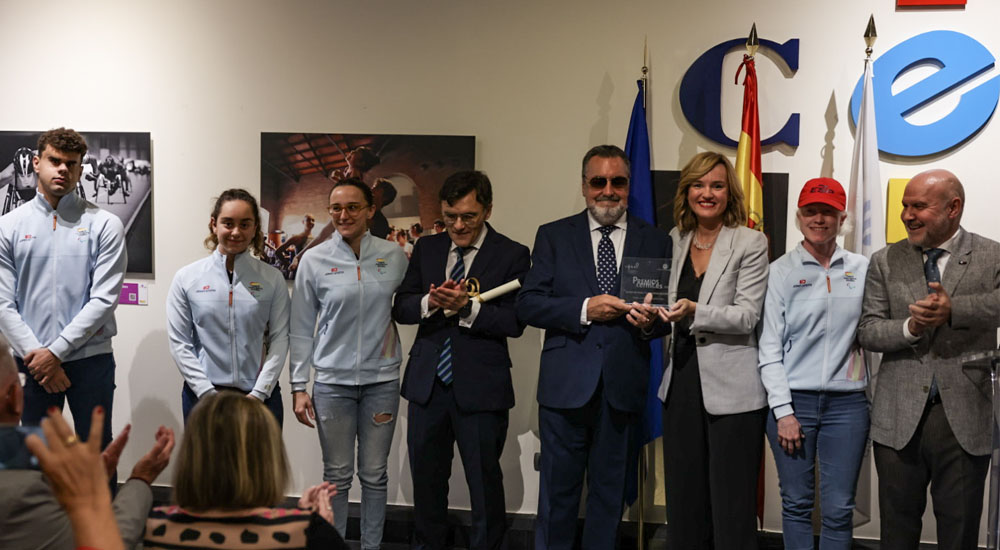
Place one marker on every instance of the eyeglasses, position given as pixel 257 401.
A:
pixel 598 182
pixel 352 208
pixel 467 218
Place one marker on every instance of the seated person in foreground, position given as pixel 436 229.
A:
pixel 231 473
pixel 30 512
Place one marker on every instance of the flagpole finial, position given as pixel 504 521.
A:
pixel 752 42
pixel 645 69
pixel 870 35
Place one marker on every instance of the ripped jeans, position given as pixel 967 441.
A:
pixel 366 414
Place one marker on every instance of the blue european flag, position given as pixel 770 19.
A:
pixel 640 203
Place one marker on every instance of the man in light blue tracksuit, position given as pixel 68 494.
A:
pixel 62 261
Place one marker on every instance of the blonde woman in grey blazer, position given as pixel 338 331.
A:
pixel 713 400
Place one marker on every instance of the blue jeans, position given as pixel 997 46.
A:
pixel 835 425
pixel 273 403
pixel 366 414
pixel 92 383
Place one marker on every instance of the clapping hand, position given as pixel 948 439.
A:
pixel 317 498
pixel 76 472
pixel 450 295
pixel 932 311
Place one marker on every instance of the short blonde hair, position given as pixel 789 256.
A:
pixel 232 456
pixel 699 165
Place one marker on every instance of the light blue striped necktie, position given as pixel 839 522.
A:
pixel 444 360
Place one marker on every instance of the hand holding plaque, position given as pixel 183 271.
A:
pixel 641 276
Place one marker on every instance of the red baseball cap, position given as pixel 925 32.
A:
pixel 823 190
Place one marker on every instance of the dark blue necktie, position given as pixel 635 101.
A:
pixel 458 271
pixel 933 275
pixel 444 360
pixel 607 265
pixel 931 271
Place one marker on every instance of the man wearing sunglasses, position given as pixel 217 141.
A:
pixel 594 370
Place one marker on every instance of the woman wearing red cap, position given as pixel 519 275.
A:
pixel 714 405
pixel 812 370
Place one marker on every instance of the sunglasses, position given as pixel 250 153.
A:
pixel 598 182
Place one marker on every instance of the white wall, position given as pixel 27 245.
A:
pixel 537 83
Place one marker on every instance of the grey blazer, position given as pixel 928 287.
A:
pixel 725 321
pixel 31 517
pixel 896 280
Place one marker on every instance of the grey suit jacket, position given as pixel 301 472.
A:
pixel 725 321
pixel 896 280
pixel 31 517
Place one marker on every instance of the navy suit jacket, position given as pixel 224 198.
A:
pixel 576 356
pixel 480 360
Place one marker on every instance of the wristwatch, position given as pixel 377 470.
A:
pixel 466 309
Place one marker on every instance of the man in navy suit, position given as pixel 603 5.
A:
pixel 457 380
pixel 594 371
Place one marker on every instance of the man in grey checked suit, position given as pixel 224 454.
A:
pixel 929 300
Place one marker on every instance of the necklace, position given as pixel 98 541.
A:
pixel 704 246
pixel 701 246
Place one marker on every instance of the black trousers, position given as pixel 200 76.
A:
pixel 711 469
pixel 433 430
pixel 587 443
pixel 957 480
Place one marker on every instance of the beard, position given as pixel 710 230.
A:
pixel 607 211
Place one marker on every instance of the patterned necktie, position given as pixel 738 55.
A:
pixel 607 265
pixel 933 275
pixel 458 271
pixel 444 360
pixel 931 272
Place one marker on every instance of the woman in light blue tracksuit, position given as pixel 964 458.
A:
pixel 227 314
pixel 813 373
pixel 341 327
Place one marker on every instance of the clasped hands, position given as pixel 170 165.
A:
pixel 47 370
pixel 932 311
pixel 450 295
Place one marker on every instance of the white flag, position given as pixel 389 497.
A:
pixel 864 203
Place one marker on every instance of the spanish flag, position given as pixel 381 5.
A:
pixel 749 172
pixel 748 152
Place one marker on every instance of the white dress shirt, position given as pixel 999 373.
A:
pixel 617 240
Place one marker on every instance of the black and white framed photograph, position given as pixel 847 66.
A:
pixel 117 176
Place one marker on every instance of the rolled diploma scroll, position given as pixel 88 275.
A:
pixel 491 293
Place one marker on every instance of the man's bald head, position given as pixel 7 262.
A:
pixel 943 181
pixel 933 203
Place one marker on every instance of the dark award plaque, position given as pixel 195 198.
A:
pixel 645 275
